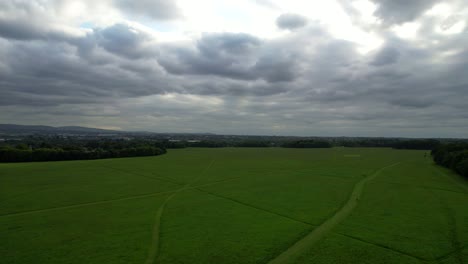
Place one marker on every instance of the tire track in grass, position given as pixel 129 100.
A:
pixel 160 178
pixel 452 225
pixel 422 259
pixel 255 207
pixel 318 233
pixel 458 181
pixel 450 254
pixel 85 204
pixel 456 244
pixel 109 201
pixel 153 252
pixel 455 240
pixel 385 247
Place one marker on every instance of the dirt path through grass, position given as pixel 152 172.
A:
pixel 155 241
pixel 290 254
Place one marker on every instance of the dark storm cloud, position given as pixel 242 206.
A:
pixel 62 76
pixel 232 55
pixel 9 28
pixel 26 20
pixel 218 86
pixel 224 54
pixel 291 21
pixel 228 43
pixel 386 56
pixel 154 9
pixel 122 40
pixel 415 102
pixel 276 68
pixel 400 11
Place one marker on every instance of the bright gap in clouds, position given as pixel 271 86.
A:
pixel 366 10
pixel 226 16
pixel 249 17
pixel 407 30
pixel 450 21
pixel 339 23
pixel 246 16
pixel 451 27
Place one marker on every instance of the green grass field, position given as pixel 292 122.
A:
pixel 270 205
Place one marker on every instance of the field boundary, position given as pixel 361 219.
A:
pixel 315 235
pixel 384 247
pixel 255 207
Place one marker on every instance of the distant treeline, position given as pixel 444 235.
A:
pixel 250 144
pixel 219 144
pixel 76 150
pixel 453 156
pixel 420 144
pixel 308 144
pixel 37 148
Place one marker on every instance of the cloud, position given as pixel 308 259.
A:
pixel 154 9
pixel 20 30
pixel 400 11
pixel 386 56
pixel 123 71
pixel 232 55
pixel 417 102
pixel 291 21
pixel 123 40
pixel 25 20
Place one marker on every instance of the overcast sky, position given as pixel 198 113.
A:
pixel 273 67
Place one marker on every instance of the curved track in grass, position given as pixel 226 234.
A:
pixel 153 252
pixel 310 239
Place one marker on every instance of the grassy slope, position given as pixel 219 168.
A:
pixel 251 205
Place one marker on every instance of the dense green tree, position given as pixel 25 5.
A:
pixel 453 156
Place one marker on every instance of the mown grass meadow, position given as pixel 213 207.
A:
pixel 234 205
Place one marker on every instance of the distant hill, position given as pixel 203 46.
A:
pixel 38 129
pixel 26 129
